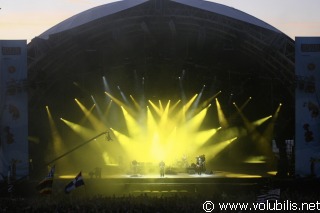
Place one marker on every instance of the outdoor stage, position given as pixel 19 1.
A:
pixel 154 185
pixel 186 183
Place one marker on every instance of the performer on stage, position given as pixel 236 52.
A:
pixel 162 165
pixel 200 164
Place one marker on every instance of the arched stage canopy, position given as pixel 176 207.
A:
pixel 157 44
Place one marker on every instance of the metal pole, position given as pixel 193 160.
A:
pixel 75 148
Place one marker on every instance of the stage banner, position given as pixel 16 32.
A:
pixel 14 157
pixel 307 106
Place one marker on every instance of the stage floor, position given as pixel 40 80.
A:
pixel 216 174
pixel 179 179
pixel 152 183
pixel 169 184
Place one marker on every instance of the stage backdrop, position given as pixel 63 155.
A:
pixel 307 141
pixel 14 160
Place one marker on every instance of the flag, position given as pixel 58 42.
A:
pixel 45 186
pixel 269 195
pixel 10 186
pixel 78 181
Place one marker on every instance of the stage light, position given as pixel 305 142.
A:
pixel 164 130
pixel 105 84
pixel 222 118
pixel 261 121
pixel 272 172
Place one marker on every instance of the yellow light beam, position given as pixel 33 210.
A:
pixel 132 125
pixel 222 119
pixel 276 114
pixel 81 130
pixel 156 109
pixel 151 123
pixel 135 103
pixel 261 120
pixel 232 132
pixel 190 102
pixel 245 103
pixel 164 117
pixel 203 136
pixel 215 149
pixel 267 135
pixel 247 123
pixel 120 103
pixel 135 150
pixel 56 137
pixel 87 114
pixel 160 106
pixel 234 115
pixel 98 124
pixel 194 123
pixel 106 113
pixel 208 101
pixel 174 106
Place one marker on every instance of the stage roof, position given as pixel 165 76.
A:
pixel 111 8
pixel 156 43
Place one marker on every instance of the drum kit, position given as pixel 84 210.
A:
pixel 181 165
pixel 198 166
